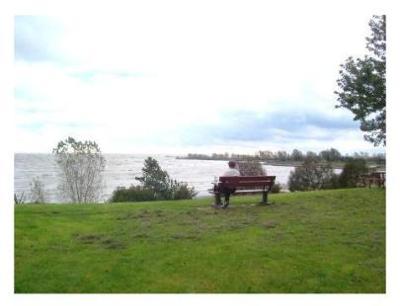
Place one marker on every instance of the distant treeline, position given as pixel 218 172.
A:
pixel 329 155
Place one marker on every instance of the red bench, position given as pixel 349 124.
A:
pixel 247 185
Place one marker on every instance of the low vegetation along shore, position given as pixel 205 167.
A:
pixel 323 241
pixel 296 158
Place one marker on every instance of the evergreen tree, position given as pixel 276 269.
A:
pixel 155 178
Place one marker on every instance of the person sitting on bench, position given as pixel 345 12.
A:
pixel 232 171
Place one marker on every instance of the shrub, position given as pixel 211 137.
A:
pixel 250 168
pixel 276 188
pixel 19 198
pixel 156 185
pixel 333 183
pixel 310 176
pixel 37 192
pixel 351 172
pixel 181 190
pixel 132 194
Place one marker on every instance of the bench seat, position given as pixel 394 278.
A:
pixel 245 185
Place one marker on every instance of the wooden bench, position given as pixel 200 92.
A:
pixel 246 185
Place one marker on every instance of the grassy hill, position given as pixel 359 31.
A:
pixel 325 241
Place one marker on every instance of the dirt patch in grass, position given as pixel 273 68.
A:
pixel 140 236
pixel 127 216
pixel 112 244
pixel 99 239
pixel 159 213
pixel 178 236
pixel 89 238
pixel 270 224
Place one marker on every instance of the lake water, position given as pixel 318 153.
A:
pixel 121 170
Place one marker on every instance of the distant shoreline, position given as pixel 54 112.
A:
pixel 335 165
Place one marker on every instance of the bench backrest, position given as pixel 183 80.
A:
pixel 247 181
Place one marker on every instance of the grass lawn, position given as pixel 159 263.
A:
pixel 324 241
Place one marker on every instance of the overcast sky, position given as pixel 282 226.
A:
pixel 167 81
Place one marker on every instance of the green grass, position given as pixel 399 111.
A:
pixel 326 241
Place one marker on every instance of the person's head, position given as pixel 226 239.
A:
pixel 232 164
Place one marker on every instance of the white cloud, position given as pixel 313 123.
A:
pixel 140 80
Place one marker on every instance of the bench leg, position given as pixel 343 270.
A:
pixel 217 198
pixel 264 198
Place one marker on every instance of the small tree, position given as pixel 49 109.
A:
pixel 310 176
pixel 312 155
pixel 37 191
pixel 352 170
pixel 330 155
pixel 282 155
pixel 154 178
pixel 81 165
pixel 297 155
pixel 159 182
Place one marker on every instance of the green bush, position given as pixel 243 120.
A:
pixel 181 190
pixel 132 194
pixel 156 185
pixel 276 188
pixel 352 170
pixel 311 176
pixel 333 183
pixel 250 168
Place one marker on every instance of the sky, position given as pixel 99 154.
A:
pixel 233 79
